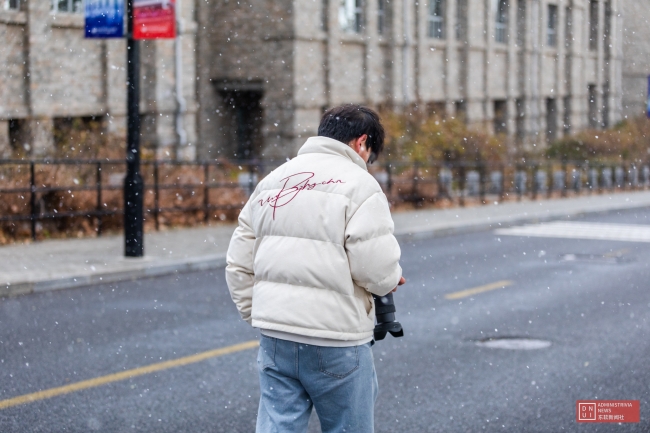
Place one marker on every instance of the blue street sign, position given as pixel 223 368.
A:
pixel 104 18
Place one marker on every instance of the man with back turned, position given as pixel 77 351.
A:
pixel 314 243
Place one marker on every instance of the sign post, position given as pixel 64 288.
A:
pixel 133 186
pixel 146 19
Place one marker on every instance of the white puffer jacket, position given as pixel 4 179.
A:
pixel 314 241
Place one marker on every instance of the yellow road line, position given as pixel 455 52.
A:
pixel 128 374
pixel 479 289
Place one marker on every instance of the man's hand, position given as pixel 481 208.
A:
pixel 402 280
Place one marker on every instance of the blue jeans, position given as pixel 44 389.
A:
pixel 340 382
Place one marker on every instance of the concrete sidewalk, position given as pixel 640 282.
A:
pixel 58 264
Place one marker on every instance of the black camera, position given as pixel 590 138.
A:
pixel 385 313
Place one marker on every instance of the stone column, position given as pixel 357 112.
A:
pixel 332 47
pixel 452 69
pixel 512 67
pixel 560 83
pixel 5 146
pixel 41 136
pixel 116 88
pixel 187 31
pixel 578 50
pixel 373 67
pixel 39 123
pixel 475 61
pixel 614 72
pixel 418 26
pixel 533 124
pixel 600 63
pixel 490 34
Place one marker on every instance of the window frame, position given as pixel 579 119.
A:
pixel 501 21
pixel 500 117
pixel 461 20
pixel 11 5
pixel 381 17
pixel 436 19
pixel 351 16
pixel 72 6
pixel 552 18
pixel 593 25
pixel 521 23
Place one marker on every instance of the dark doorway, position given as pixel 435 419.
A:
pixel 243 118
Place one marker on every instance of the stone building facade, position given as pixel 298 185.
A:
pixel 256 75
pixel 636 56
pixel 533 69
pixel 49 73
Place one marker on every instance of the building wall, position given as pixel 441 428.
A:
pixel 636 54
pixel 51 71
pixel 265 70
pixel 245 50
pixel 543 88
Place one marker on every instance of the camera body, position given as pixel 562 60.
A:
pixel 385 314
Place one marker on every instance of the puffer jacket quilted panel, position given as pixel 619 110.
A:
pixel 314 241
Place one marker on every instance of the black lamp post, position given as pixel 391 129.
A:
pixel 133 185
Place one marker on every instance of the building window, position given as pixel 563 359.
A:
pixel 593 25
pixel 566 119
pixel 437 19
pixel 551 29
pixel 75 6
pixel 501 24
pixel 461 20
pixel 381 16
pixel 520 122
pixel 605 122
pixel 521 22
pixel 500 117
pixel 551 120
pixel 324 6
pixel 461 110
pixel 18 135
pixel 351 16
pixel 593 108
pixel 11 5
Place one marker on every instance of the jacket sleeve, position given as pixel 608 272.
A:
pixel 373 251
pixel 239 271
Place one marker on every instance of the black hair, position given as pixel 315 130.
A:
pixel 349 122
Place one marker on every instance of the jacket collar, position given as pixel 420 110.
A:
pixel 331 147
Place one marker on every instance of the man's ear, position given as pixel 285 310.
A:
pixel 358 142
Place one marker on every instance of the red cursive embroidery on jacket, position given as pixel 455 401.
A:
pixel 292 186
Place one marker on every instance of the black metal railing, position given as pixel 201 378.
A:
pixel 31 182
pixel 459 182
pixel 30 190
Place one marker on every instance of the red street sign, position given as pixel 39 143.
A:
pixel 154 19
pixel 608 411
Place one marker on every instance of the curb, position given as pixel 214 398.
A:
pixel 217 261
pixel 481 227
pixel 152 270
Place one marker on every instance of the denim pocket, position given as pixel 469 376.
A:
pixel 338 362
pixel 266 354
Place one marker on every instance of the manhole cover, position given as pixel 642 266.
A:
pixel 514 343
pixel 595 258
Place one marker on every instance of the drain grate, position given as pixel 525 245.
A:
pixel 514 343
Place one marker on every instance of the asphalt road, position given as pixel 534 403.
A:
pixel 590 299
